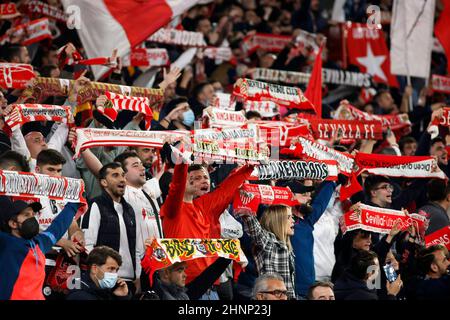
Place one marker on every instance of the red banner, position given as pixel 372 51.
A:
pixel 44 9
pixel 440 83
pixel 8 11
pixel 268 42
pixel 442 236
pixel 35 31
pixel 144 57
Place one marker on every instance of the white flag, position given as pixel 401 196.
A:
pixel 412 37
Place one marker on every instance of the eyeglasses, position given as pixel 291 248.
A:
pixel 386 187
pixel 276 293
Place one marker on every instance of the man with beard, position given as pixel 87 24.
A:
pixel 306 215
pixel 111 222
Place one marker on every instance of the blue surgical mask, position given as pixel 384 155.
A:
pixel 188 118
pixel 109 280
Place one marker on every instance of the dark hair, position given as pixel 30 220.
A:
pixel 437 190
pixel 360 263
pixel 372 182
pixel 380 93
pixel 252 114
pixel 404 141
pixel 122 158
pixel 436 140
pixel 195 167
pixel 104 170
pixel 50 156
pixel 99 255
pixel 13 158
pixel 426 257
pixel 317 284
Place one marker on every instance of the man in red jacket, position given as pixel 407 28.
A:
pixel 192 211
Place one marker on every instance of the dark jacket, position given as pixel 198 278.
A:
pixel 437 215
pixel 348 287
pixel 109 230
pixel 194 289
pixel 90 291
pixel 430 289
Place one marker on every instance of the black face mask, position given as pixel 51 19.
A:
pixel 29 228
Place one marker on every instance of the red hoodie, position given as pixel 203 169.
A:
pixel 200 219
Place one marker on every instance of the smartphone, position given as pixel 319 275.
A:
pixel 391 275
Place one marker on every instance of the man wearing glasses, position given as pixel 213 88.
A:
pixel 269 287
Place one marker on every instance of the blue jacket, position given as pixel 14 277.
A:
pixel 303 240
pixel 22 262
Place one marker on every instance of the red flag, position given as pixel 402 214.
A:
pixel 314 90
pixel 442 30
pixel 122 24
pixel 367 49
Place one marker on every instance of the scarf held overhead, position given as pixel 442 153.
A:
pixel 26 185
pixel 37 112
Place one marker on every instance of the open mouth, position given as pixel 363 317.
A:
pixel 204 188
pixel 121 186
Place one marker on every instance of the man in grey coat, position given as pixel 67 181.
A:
pixel 436 208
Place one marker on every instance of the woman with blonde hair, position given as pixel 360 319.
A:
pixel 272 248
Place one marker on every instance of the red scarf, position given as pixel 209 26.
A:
pixel 35 31
pixel 250 196
pixel 26 185
pixel 441 236
pixel 178 37
pixel 268 42
pixel 440 83
pixel 145 57
pixel 8 11
pixel 121 102
pixel 47 10
pixel 15 75
pixel 351 129
pixel 379 220
pixel 289 97
pixel 219 118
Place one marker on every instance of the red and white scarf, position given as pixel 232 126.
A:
pixel 121 102
pixel 218 118
pixel 290 97
pixel 268 42
pixel 220 134
pixel 308 149
pixel 76 58
pixel 36 30
pixel 162 253
pixel 8 11
pixel 15 75
pixel 395 166
pixel 441 236
pixel 300 170
pixel 145 57
pixel 223 101
pixel 440 83
pixel 379 220
pixel 250 196
pixel 178 37
pixel 395 122
pixel 91 138
pixel 37 112
pixel 350 129
pixel 266 109
pixel 32 186
pixel 339 77
pixel 280 133
pixel 46 10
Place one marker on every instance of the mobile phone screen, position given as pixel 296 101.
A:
pixel 391 275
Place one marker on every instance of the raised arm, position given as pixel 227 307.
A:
pixel 172 205
pixel 321 201
pixel 258 234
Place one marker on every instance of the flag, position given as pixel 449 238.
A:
pixel 412 37
pixel 106 25
pixel 314 90
pixel 367 49
pixel 442 30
